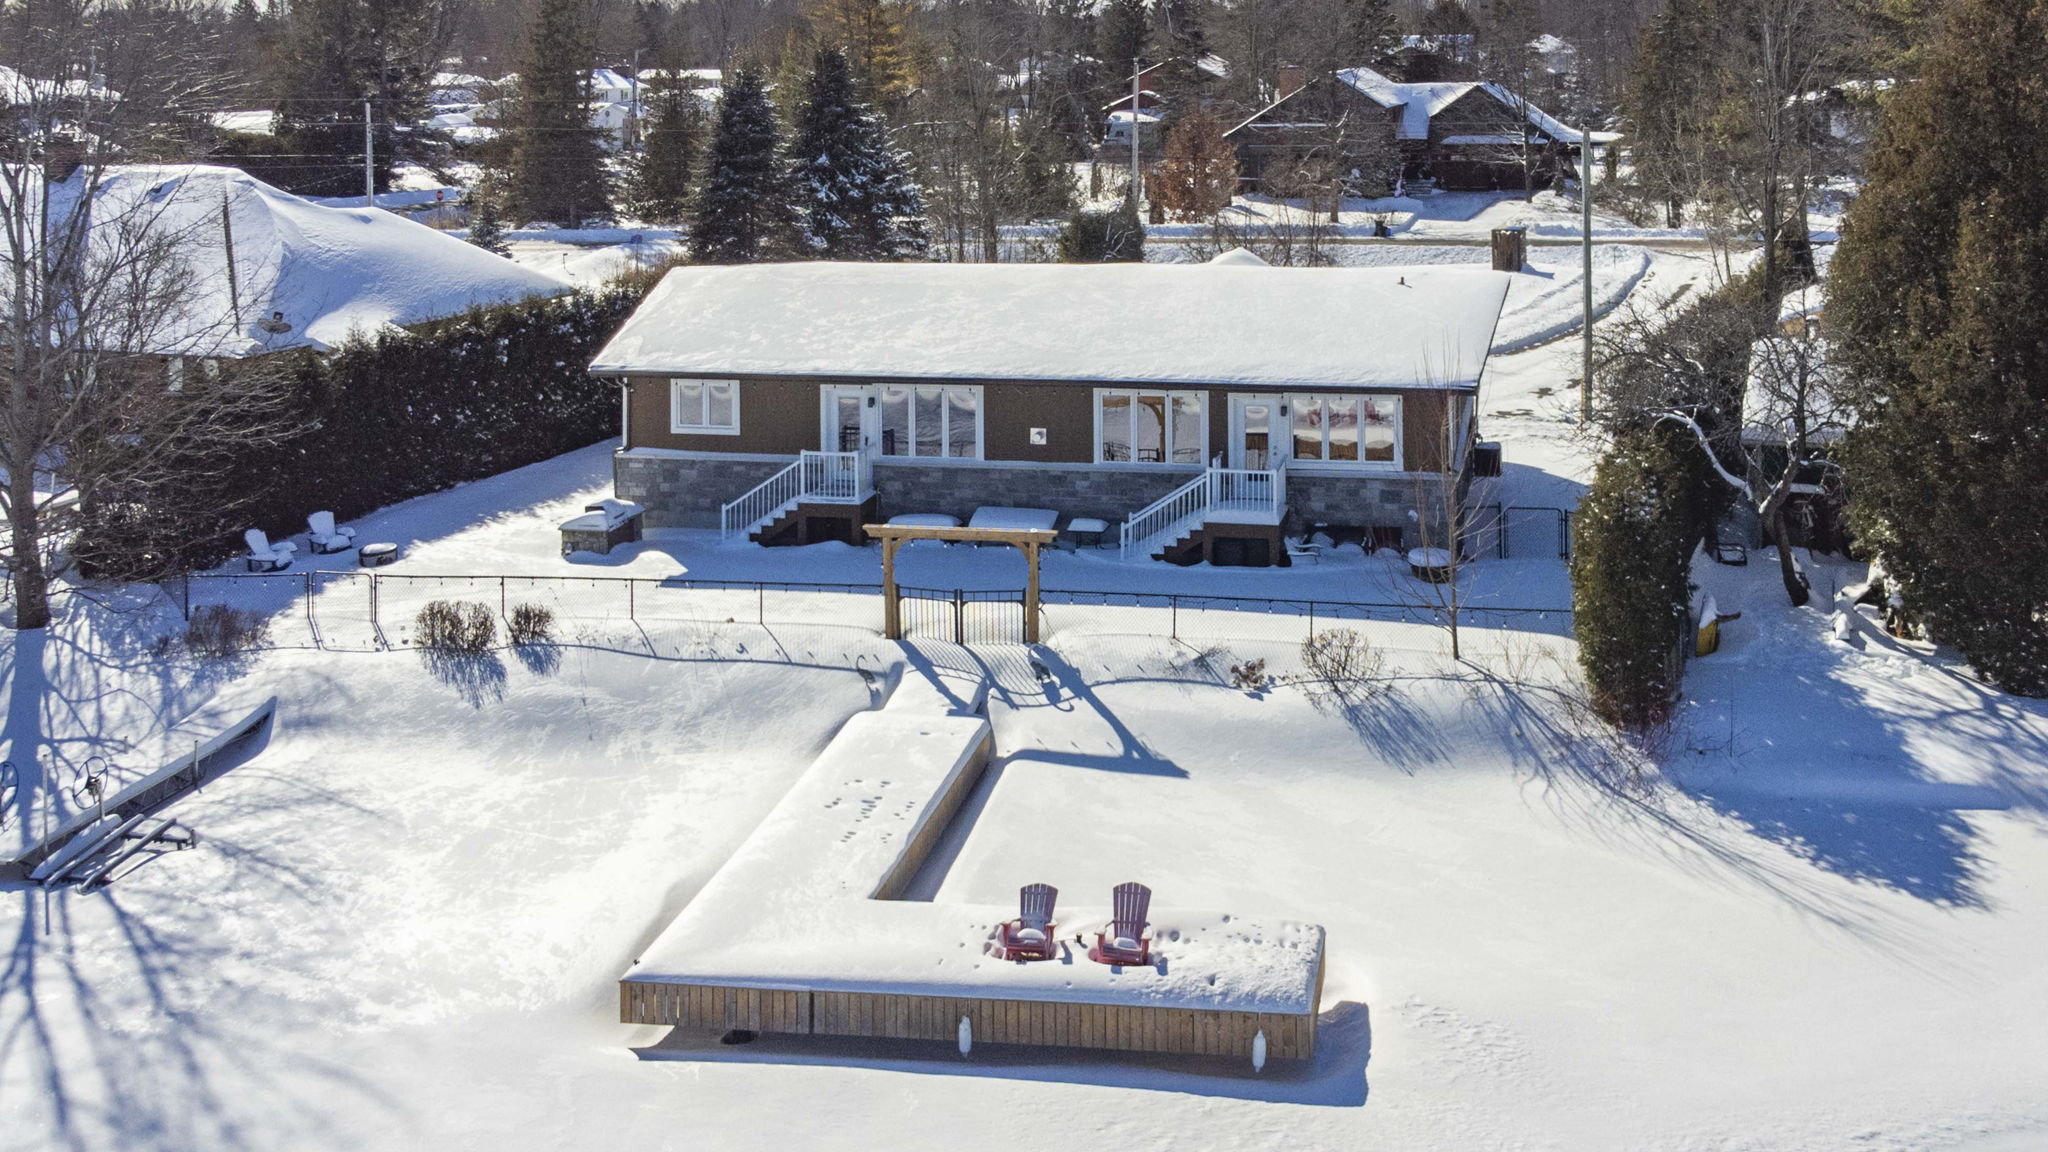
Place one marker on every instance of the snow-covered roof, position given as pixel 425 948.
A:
pixel 17 88
pixel 1151 323
pixel 1785 371
pixel 1420 102
pixel 329 271
pixel 608 80
pixel 255 121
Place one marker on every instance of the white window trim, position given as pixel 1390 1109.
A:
pixel 945 419
pixel 676 423
pixel 1397 464
pixel 1201 399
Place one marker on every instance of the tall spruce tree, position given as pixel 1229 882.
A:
pixel 558 162
pixel 742 212
pixel 1179 42
pixel 658 190
pixel 1121 32
pixel 1937 299
pixel 854 192
pixel 332 56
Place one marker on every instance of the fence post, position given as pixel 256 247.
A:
pixel 1173 606
pixel 761 605
pixel 502 613
pixel 959 617
pixel 186 585
pixel 307 577
pixel 632 599
pixel 1311 619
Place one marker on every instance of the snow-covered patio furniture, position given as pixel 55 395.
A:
pixel 325 537
pixel 1087 530
pixel 265 556
pixel 1030 935
pixel 376 555
pixel 1124 941
pixel 1013 519
pixel 602 527
pixel 1301 548
pixel 1431 564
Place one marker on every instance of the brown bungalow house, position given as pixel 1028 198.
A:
pixel 1464 135
pixel 1201 409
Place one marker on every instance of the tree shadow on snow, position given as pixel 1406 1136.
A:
pixel 1334 1078
pixel 115 1025
pixel 479 678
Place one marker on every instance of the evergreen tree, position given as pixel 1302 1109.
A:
pixel 1366 32
pixel 558 162
pixel 1044 181
pixel 1633 538
pixel 658 190
pixel 1198 177
pixel 871 33
pixel 854 193
pixel 335 54
pixel 1937 296
pixel 1121 33
pixel 487 213
pixel 742 211
pixel 1112 237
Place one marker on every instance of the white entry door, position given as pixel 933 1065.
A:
pixel 847 418
pixel 1258 431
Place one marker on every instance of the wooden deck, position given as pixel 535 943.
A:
pixel 1053 1023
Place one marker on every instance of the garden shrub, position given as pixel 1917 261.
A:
pixel 455 628
pixel 217 631
pixel 531 624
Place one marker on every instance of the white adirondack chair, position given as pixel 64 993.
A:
pixel 325 537
pixel 265 556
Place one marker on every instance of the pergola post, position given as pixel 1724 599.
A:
pixel 892 612
pixel 1031 594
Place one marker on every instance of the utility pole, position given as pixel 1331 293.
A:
pixel 1137 178
pixel 369 159
pixel 1586 270
pixel 633 109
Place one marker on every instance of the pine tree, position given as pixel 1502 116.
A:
pixel 871 33
pixel 1936 300
pixel 1198 177
pixel 486 213
pixel 742 211
pixel 1366 32
pixel 558 162
pixel 335 54
pixel 854 192
pixel 1121 33
pixel 658 189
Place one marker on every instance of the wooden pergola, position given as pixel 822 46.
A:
pixel 894 536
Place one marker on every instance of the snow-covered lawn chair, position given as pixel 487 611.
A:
pixel 1030 935
pixel 265 556
pixel 325 537
pixel 1124 941
pixel 1302 548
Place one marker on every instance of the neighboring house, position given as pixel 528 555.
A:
pixel 1461 134
pixel 265 271
pixel 1209 408
pixel 1147 111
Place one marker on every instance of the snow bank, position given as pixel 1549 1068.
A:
pixel 1208 324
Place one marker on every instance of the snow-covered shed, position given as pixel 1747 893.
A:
pixel 1093 390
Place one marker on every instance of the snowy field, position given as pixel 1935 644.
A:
pixel 1813 922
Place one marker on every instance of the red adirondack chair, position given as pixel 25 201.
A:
pixel 1030 935
pixel 1124 941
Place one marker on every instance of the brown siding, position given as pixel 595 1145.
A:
pixel 779 415
pixel 1125 1027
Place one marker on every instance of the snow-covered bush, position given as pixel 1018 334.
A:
pixel 531 624
pixel 218 631
pixel 455 628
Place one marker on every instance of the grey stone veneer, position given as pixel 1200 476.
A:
pixel 681 491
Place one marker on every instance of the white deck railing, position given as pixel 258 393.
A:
pixel 1245 495
pixel 823 477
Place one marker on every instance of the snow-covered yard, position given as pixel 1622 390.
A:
pixel 1814 922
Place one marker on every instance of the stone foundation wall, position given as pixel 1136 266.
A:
pixel 687 491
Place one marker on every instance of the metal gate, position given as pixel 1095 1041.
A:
pixel 962 616
pixel 1527 531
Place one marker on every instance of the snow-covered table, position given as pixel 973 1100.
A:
pixel 1013 519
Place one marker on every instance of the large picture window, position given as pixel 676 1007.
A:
pixel 1151 427
pixel 1347 429
pixel 704 406
pixel 925 420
